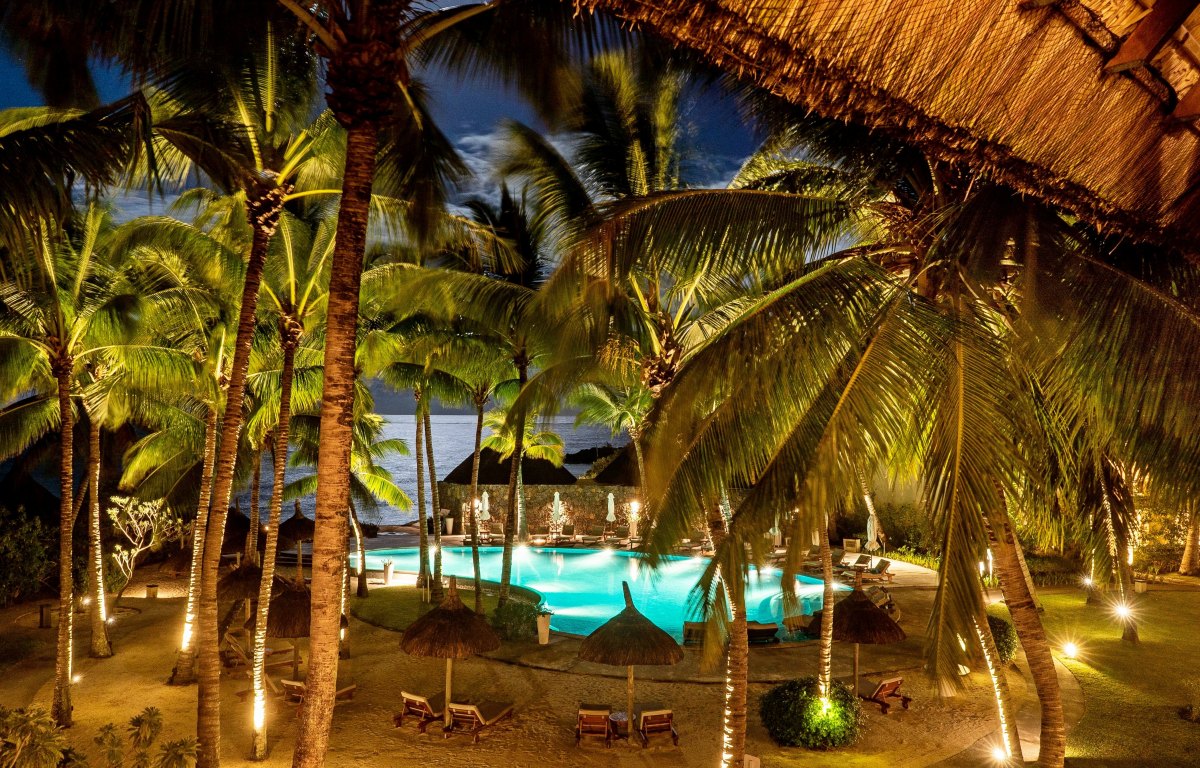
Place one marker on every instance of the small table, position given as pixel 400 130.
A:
pixel 619 722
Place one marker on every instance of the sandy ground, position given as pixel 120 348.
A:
pixel 546 698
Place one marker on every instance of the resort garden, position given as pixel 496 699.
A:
pixel 905 466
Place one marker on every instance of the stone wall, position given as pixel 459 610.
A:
pixel 585 504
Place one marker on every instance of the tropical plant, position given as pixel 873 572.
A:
pixel 797 713
pixel 24 561
pixel 517 443
pixel 145 525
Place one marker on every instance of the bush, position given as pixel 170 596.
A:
pixel 1005 636
pixel 1053 570
pixel 516 620
pixel 23 558
pixel 909 555
pixel 793 715
pixel 907 525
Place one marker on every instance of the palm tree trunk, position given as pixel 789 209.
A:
pixel 737 655
pixel 423 537
pixel 514 483
pixel 472 511
pixel 1028 623
pixel 255 492
pixel 991 657
pixel 263 216
pixel 258 749
pixel 333 463
pixel 60 708
pixel 101 646
pixel 360 552
pixel 1191 550
pixel 435 589
pixel 184 672
pixel 825 668
pixel 641 464
pixel 1027 576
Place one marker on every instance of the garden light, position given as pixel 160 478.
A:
pixel 1123 611
pixel 999 755
pixel 1087 582
pixel 1070 650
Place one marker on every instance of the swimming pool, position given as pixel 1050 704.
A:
pixel 583 586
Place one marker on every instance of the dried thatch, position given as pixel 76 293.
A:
pixel 237 530
pixel 630 638
pixel 1018 92
pixel 622 470
pixel 450 631
pixel 241 583
pixel 290 612
pixel 858 620
pixel 296 528
pixel 494 471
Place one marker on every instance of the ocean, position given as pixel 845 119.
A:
pixel 453 441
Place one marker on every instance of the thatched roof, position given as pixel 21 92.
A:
pixel 858 620
pixel 237 528
pixel 241 583
pixel 450 631
pixel 290 613
pixel 296 528
pixel 493 471
pixel 630 638
pixel 622 470
pixel 1015 89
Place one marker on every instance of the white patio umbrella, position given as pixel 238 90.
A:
pixel 483 511
pixel 612 509
pixel 873 526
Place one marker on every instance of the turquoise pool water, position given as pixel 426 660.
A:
pixel 583 586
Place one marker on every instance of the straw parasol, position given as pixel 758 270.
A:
pixel 288 618
pixel 237 529
pixel 297 529
pixel 450 631
pixel 858 620
pixel 627 639
pixel 241 583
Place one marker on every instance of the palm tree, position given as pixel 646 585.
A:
pixel 620 409
pixel 517 443
pixel 68 303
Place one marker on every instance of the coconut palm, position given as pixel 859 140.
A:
pixel 620 409
pixel 518 443
pixel 69 303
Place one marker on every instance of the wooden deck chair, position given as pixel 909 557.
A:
pixel 474 718
pixel 425 710
pixel 593 723
pixel 853 560
pixel 879 693
pixel 654 721
pixel 238 657
pixel 295 690
pixel 879 572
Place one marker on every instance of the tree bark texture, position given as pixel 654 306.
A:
pixel 333 463
pixel 101 647
pixel 60 707
pixel 208 667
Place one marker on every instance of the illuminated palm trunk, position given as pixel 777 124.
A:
pixel 252 537
pixel 290 334
pixel 514 490
pixel 472 501
pixel 825 670
pixel 60 707
pixel 1028 623
pixel 361 552
pixel 423 537
pixel 1010 740
pixel 435 589
pixel 101 646
pixel 737 656
pixel 184 672
pixel 1191 552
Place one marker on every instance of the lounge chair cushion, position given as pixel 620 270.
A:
pixel 485 712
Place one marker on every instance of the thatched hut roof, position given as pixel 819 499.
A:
pixel 493 471
pixel 450 631
pixel 290 612
pixel 622 470
pixel 237 529
pixel 858 620
pixel 630 638
pixel 296 528
pixel 241 583
pixel 1018 90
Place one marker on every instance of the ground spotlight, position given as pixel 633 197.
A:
pixel 1070 650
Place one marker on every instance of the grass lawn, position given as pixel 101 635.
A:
pixel 1132 692
pixel 396 607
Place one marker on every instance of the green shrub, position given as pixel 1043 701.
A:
pixel 1005 636
pixel 794 716
pixel 907 525
pixel 23 557
pixel 1053 570
pixel 516 620
pixel 909 555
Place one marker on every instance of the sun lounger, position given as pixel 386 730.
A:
pixel 883 599
pixel 655 721
pixel 476 717
pixel 237 654
pixel 762 634
pixel 295 690
pixel 593 536
pixel 878 572
pixel 593 723
pixel 423 709
pixel 879 693
pixel 852 560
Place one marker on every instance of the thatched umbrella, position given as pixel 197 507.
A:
pixel 627 639
pixel 450 631
pixel 241 583
pixel 237 529
pixel 288 619
pixel 858 620
pixel 297 529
